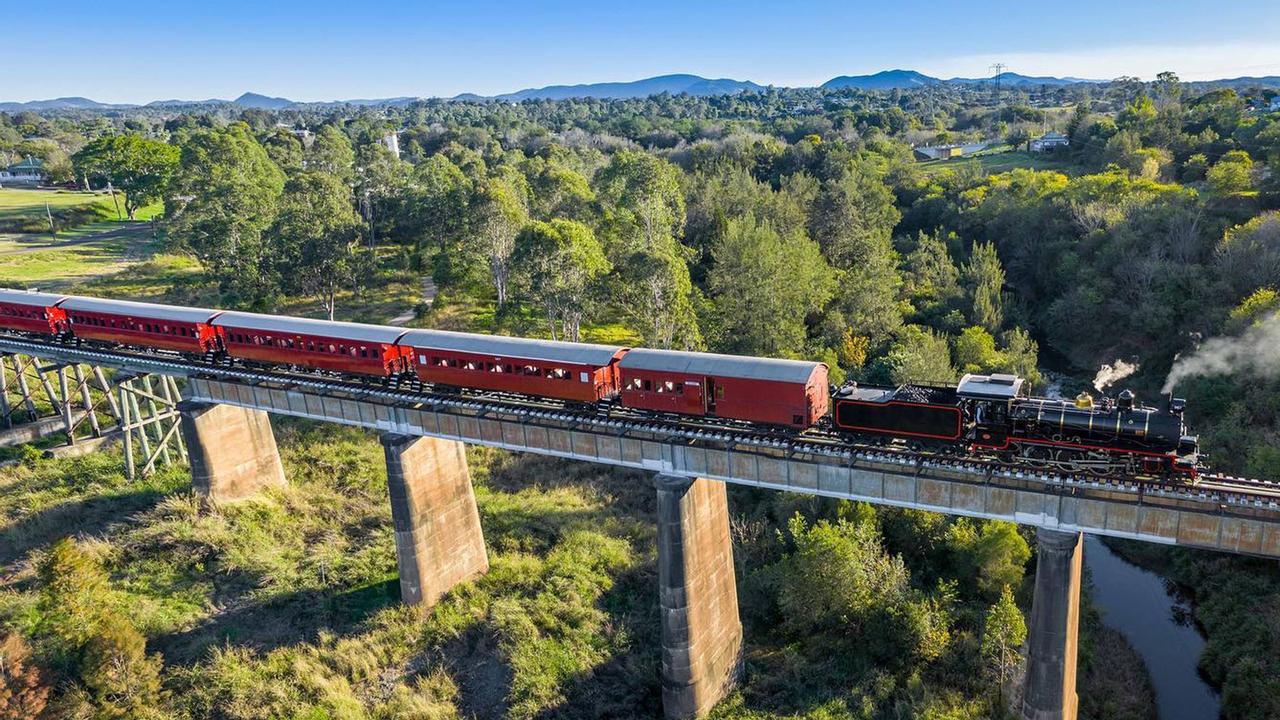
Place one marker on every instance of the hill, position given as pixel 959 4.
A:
pixel 262 102
pixel 674 84
pixel 883 80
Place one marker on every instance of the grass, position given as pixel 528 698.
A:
pixel 1001 159
pixel 22 203
pixel 61 265
pixel 285 605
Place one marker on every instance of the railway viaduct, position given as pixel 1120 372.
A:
pixel 440 542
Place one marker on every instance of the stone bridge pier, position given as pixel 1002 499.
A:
pixel 701 630
pixel 439 542
pixel 1049 692
pixel 231 450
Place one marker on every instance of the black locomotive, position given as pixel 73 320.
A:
pixel 990 416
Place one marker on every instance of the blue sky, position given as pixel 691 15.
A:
pixel 322 50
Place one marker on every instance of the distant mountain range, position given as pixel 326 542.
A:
pixel 674 84
pixel 908 79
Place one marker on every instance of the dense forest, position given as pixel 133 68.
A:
pixel 786 223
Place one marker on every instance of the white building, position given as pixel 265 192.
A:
pixel 391 141
pixel 1048 141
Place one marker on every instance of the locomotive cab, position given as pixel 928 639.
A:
pixel 989 398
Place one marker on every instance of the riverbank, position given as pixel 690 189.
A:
pixel 1235 600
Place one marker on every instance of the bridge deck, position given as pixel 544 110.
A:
pixel 1225 514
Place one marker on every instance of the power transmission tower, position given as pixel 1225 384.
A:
pixel 999 68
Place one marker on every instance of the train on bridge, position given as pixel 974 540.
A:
pixel 982 416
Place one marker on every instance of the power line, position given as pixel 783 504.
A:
pixel 999 68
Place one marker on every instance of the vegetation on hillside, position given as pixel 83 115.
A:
pixel 791 223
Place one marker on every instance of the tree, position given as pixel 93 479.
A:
pixel 975 351
pixel 836 577
pixel 984 280
pixel 24 690
pixel 932 278
pixel 1003 632
pixel 121 680
pixel 562 262
pixel 314 236
pixel 853 217
pixel 438 197
pixel 284 148
pixel 657 295
pixel 331 152
pixel 1233 173
pixel 764 285
pixel 916 355
pixel 645 190
pixel 852 220
pixel 139 166
pixel 220 202
pixel 498 212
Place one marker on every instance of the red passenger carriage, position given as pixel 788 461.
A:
pixel 33 312
pixel 791 393
pixel 577 372
pixel 121 322
pixel 340 347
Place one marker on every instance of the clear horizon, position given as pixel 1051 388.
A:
pixel 320 51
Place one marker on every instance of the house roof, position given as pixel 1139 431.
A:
pixel 30 163
pixel 306 326
pixel 143 311
pixel 502 346
pixel 691 363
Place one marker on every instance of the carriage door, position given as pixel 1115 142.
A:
pixel 709 395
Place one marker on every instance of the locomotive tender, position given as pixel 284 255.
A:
pixel 983 416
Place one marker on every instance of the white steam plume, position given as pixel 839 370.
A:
pixel 1256 352
pixel 1109 375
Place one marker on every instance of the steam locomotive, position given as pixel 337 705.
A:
pixel 991 416
pixel 984 416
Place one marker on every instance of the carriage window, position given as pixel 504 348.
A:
pixel 496 368
pixel 666 387
pixel 470 365
pixel 364 352
pixel 648 385
pixel 531 370
pixel 637 384
pixel 332 348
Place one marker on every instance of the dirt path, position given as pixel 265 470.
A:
pixel 428 297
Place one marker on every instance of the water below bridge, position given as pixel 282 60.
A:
pixel 1143 607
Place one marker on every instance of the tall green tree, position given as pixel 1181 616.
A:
pixel 222 198
pixel 657 296
pixel 852 221
pixel 1003 632
pixel 645 190
pixel 984 281
pixel 498 212
pixel 138 166
pixel 764 285
pixel 562 263
pixel 314 237
pixel 332 152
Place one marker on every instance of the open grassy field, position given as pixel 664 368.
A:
pixel 1001 161
pixel 59 264
pixel 26 208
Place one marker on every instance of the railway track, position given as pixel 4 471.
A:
pixel 1212 487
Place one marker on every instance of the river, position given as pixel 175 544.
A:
pixel 1139 605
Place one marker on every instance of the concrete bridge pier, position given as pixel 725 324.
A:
pixel 1053 633
pixel 439 542
pixel 231 450
pixel 701 631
